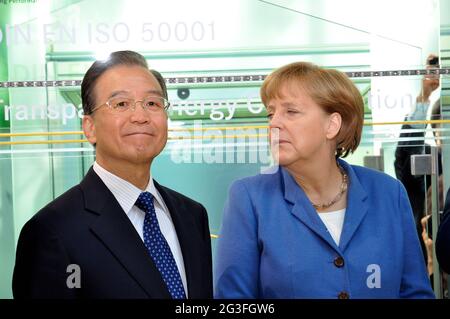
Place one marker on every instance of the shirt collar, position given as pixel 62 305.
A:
pixel 125 192
pixel 151 188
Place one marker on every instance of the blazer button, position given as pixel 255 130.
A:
pixel 339 262
pixel 343 295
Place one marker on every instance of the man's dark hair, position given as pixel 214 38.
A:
pixel 129 58
pixel 161 82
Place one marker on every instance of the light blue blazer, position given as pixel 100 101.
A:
pixel 273 244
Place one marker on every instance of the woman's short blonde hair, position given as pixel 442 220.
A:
pixel 330 89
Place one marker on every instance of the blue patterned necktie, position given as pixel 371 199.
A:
pixel 158 248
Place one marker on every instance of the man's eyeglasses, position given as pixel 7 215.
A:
pixel 121 104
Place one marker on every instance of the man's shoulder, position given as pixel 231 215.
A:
pixel 176 197
pixel 61 208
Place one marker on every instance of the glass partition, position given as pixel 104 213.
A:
pixel 214 56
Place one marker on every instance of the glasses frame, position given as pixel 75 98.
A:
pixel 133 107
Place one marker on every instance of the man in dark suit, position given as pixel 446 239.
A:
pixel 443 238
pixel 118 234
pixel 412 142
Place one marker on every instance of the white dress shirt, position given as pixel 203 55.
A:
pixel 127 194
pixel 334 221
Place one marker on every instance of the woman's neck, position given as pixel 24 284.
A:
pixel 321 181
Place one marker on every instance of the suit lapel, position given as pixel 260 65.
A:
pixel 183 227
pixel 117 233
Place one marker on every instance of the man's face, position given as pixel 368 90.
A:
pixel 132 136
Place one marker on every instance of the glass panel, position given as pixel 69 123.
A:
pixel 214 56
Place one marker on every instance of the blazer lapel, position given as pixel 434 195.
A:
pixel 302 208
pixel 357 206
pixel 118 234
pixel 183 227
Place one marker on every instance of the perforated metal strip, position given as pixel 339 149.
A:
pixel 229 78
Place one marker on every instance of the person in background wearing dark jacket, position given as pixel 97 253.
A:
pixel 416 185
pixel 443 238
pixel 426 222
pixel 413 143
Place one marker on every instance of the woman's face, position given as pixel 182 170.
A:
pixel 300 130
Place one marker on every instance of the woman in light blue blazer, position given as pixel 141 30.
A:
pixel 317 227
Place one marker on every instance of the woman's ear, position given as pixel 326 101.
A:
pixel 89 129
pixel 334 125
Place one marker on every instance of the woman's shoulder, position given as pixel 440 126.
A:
pixel 268 178
pixel 370 176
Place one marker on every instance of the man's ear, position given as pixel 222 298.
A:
pixel 334 125
pixel 89 129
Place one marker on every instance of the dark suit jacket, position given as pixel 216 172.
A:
pixel 443 238
pixel 416 186
pixel 86 226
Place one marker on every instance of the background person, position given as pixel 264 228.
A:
pixel 443 238
pixel 413 143
pixel 426 223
